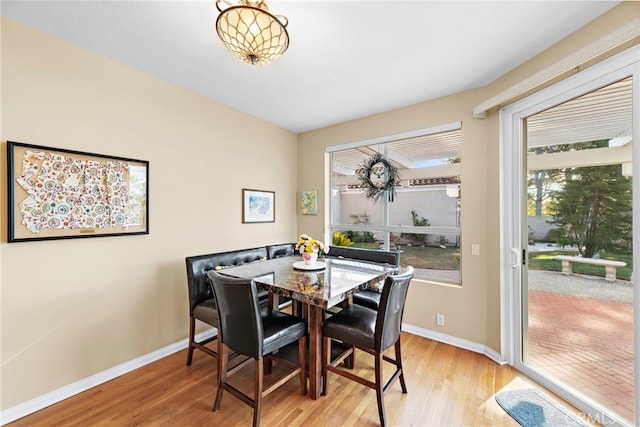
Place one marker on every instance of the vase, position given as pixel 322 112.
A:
pixel 310 257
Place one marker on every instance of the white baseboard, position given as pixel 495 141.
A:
pixel 456 342
pixel 55 396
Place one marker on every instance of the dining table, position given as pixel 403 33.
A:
pixel 316 288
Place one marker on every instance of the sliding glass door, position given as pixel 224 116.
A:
pixel 571 284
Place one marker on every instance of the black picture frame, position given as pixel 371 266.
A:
pixel 56 193
pixel 258 206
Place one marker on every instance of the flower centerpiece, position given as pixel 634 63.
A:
pixel 310 248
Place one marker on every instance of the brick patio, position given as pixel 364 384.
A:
pixel 586 343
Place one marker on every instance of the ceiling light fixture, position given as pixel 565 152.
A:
pixel 251 33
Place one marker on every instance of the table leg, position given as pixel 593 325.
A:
pixel 272 301
pixel 316 315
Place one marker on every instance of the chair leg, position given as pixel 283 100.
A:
pixel 350 361
pixel 258 391
pixel 326 360
pixel 220 348
pixel 302 361
pixel 380 389
pixel 399 365
pixel 192 331
pixel 223 356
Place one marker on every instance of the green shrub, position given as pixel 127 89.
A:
pixel 361 236
pixel 418 239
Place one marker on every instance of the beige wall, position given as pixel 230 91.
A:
pixel 72 308
pixel 67 313
pixel 473 310
pixel 463 320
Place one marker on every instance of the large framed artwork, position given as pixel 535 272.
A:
pixel 56 193
pixel 258 206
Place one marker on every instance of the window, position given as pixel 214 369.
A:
pixel 423 220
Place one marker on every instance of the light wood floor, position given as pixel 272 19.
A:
pixel 447 386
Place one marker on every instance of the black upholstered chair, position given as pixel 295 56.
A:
pixel 372 331
pixel 278 251
pixel 250 331
pixel 367 297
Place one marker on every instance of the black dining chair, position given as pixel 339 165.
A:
pixel 278 251
pixel 372 331
pixel 367 297
pixel 257 332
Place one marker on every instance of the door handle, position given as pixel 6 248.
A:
pixel 516 254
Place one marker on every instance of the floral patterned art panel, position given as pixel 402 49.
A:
pixel 56 193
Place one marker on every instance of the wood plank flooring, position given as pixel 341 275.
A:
pixel 447 386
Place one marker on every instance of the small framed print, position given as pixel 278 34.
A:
pixel 258 206
pixel 309 202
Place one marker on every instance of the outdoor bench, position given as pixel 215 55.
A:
pixel 609 265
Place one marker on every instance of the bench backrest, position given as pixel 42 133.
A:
pixel 280 250
pixel 373 255
pixel 197 267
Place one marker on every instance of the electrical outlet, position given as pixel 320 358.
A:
pixel 440 319
pixel 475 249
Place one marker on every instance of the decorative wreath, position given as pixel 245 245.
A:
pixel 386 175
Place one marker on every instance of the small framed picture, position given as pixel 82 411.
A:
pixel 258 206
pixel 309 202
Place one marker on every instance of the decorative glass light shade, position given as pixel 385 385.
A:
pixel 251 33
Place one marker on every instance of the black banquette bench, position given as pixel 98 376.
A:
pixel 369 297
pixel 201 303
pixel 379 256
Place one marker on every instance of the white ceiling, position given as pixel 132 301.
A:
pixel 347 59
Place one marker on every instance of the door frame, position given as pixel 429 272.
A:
pixel 513 214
